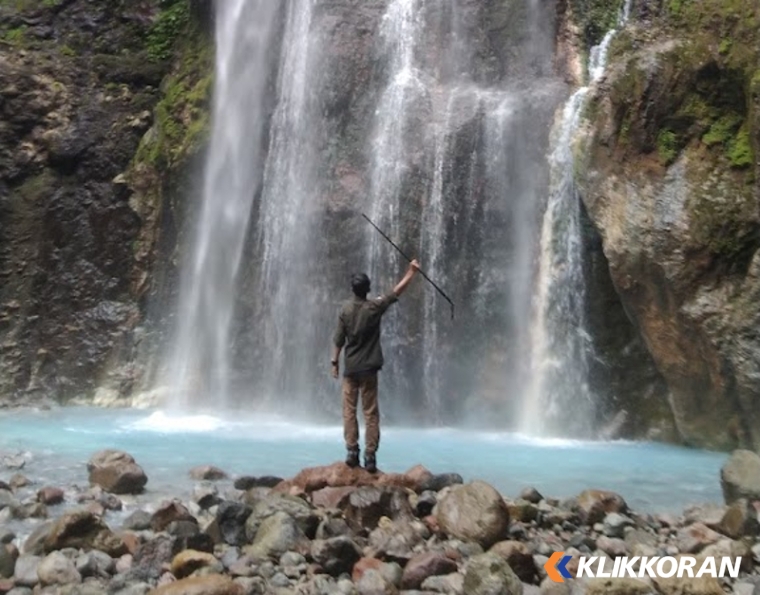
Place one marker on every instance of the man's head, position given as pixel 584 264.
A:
pixel 360 285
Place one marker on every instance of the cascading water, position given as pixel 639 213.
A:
pixel 559 401
pixel 199 369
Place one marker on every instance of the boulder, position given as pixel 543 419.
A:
pixel 365 506
pixel 207 473
pixel 704 585
pixel 519 557
pixel 425 565
pixel 740 476
pixel 139 520
pixel 188 561
pixel 531 495
pixel 373 582
pixel 615 524
pixel 25 573
pixel 339 475
pixel 594 505
pixel 489 574
pixel 474 512
pixel 151 557
pixel 331 498
pixel 206 495
pixel 205 585
pixel 248 482
pixel 8 556
pixel 695 537
pixel 57 569
pixel 116 472
pixel 739 520
pixel 435 483
pixel 168 513
pixel 95 564
pixel 231 518
pixel 276 535
pixel 363 565
pixel 449 584
pixel 83 530
pixel 297 508
pixel 50 496
pixel 336 555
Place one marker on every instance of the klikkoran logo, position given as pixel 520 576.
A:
pixel 641 566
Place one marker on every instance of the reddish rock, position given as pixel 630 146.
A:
pixel 695 538
pixel 6 585
pixel 419 475
pixel 95 508
pixel 432 523
pixel 594 505
pixel 169 513
pixel 131 541
pixel 331 497
pixel 206 585
pixel 423 566
pixel 363 565
pixel 50 496
pixel 83 530
pixel 341 475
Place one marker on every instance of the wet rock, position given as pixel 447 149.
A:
pixel 595 505
pixel 206 585
pixel 50 496
pixel 82 530
pixel 168 513
pixel 18 481
pixel 139 520
pixel 276 535
pixel 695 537
pixel 206 495
pixel 740 476
pixel 231 518
pixel 740 519
pixel 519 557
pixel 7 499
pixel 488 574
pixel 188 561
pixel 207 473
pixel 474 512
pixel 423 566
pixel 116 472
pixel 336 555
pixel 57 569
pixel 367 505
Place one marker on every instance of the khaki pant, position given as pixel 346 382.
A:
pixel 367 385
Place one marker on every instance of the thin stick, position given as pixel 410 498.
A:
pixel 390 241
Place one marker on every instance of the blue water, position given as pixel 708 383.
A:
pixel 651 477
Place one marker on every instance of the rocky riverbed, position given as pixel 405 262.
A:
pixel 334 529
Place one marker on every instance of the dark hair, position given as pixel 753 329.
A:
pixel 360 285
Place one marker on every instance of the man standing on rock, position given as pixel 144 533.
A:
pixel 359 332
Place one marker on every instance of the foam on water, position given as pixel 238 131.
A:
pixel 652 477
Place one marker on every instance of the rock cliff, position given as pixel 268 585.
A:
pixel 667 165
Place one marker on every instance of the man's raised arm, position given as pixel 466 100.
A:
pixel 414 267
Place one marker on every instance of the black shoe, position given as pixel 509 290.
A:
pixel 352 458
pixel 370 464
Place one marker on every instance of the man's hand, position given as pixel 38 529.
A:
pixel 413 269
pixel 414 266
pixel 335 370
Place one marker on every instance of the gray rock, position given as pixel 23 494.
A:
pixel 134 589
pixel 6 536
pixel 276 535
pixel 20 591
pixel 392 573
pixel 57 569
pixel 373 583
pixel 254 585
pixel 474 512
pixel 292 559
pixel 139 520
pixel 695 538
pixel 206 495
pixel 207 473
pixel 449 584
pixel 7 500
pixel 231 520
pixel 279 580
pixel 615 523
pixel 7 562
pixel 740 476
pixel 25 573
pixel 488 574
pixel 612 546
pixel 336 555
pixel 305 517
pixel 96 564
pixel 742 588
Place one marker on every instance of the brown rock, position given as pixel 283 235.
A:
pixel 594 505
pixel 169 513
pixel 131 541
pixel 617 586
pixel 341 475
pixel 740 519
pixel 363 565
pixel 423 566
pixel 704 585
pixel 330 497
pixel 419 475
pixel 474 512
pixel 83 530
pixel 6 585
pixel 50 496
pixel 207 473
pixel 116 472
pixel 188 561
pixel 365 506
pixel 518 556
pixel 206 585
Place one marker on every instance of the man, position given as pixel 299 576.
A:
pixel 359 332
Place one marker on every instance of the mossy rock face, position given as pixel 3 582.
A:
pixel 668 172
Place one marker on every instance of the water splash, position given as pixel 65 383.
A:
pixel 199 366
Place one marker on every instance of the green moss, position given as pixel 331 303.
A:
pixel 15 36
pixel 725 46
pixel 172 20
pixel 595 18
pixel 67 51
pixel 740 151
pixel 722 130
pixel 667 146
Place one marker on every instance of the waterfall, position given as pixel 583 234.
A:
pixel 199 367
pixel 559 400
